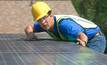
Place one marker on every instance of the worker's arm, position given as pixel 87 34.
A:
pixel 82 39
pixel 29 31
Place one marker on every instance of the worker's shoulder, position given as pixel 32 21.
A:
pixel 58 16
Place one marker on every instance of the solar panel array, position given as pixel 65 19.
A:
pixel 16 50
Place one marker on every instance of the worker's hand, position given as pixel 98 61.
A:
pixel 82 39
pixel 31 36
pixel 83 43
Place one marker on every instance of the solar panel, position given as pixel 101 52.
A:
pixel 15 50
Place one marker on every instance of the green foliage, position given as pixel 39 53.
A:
pixel 94 10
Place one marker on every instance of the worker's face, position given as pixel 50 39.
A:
pixel 44 22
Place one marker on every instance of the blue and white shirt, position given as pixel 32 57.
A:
pixel 70 27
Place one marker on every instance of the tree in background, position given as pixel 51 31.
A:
pixel 94 10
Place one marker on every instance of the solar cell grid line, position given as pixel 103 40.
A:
pixel 44 49
pixel 10 37
pixel 18 61
pixel 1 37
pixel 27 47
pixel 41 48
pixel 14 51
pixel 86 59
pixel 77 60
pixel 102 58
pixel 51 48
pixel 2 59
pixel 98 63
pixel 70 58
pixel 4 52
pixel 12 54
pixel 57 59
pixel 26 57
pixel 8 47
pixel 50 57
pixel 44 56
pixel 5 37
pixel 17 43
pixel 60 60
pixel 51 53
pixel 41 57
pixel 10 60
pixel 3 46
pixel 40 42
pixel 42 60
pixel 21 48
pixel 45 59
pixel 31 59
pixel 60 48
pixel 36 49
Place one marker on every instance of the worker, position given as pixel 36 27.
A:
pixel 65 27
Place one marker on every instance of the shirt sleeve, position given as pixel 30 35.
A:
pixel 70 29
pixel 37 27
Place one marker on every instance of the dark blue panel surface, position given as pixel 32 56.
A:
pixel 15 50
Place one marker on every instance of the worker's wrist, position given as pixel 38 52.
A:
pixel 83 43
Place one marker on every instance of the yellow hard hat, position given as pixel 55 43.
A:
pixel 40 9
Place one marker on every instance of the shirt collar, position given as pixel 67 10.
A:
pixel 55 28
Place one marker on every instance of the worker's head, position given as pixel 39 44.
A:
pixel 41 12
pixel 40 9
